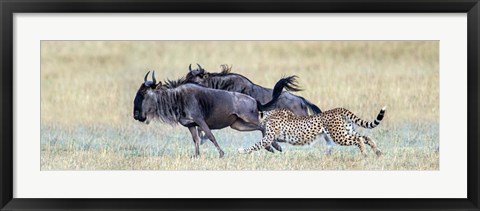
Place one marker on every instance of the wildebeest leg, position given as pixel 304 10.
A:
pixel 241 125
pixel 194 133
pixel 202 135
pixel 210 136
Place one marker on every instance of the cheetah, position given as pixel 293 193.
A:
pixel 335 125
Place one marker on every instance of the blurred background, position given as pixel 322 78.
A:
pixel 88 87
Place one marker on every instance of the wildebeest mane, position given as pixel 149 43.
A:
pixel 224 70
pixel 169 106
pixel 171 84
pixel 220 80
pixel 171 101
pixel 232 85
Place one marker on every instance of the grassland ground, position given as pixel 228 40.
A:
pixel 87 91
pixel 141 148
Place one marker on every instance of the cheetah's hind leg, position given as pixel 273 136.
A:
pixel 330 144
pixel 270 149
pixel 367 140
pixel 349 139
pixel 373 145
pixel 276 146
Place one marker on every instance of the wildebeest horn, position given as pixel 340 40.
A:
pixel 145 80
pixel 190 67
pixel 199 67
pixel 153 78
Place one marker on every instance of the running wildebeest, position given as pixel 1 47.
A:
pixel 193 105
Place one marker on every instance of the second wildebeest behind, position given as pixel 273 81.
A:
pixel 193 105
pixel 226 80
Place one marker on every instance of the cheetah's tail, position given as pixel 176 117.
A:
pixel 367 124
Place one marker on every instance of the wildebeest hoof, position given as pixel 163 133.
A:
pixel 379 153
pixel 221 154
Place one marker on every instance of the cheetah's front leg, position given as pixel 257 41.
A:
pixel 267 140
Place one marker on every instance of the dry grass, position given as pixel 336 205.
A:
pixel 88 89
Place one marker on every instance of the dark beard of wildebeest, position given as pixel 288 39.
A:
pixel 193 105
pixel 225 80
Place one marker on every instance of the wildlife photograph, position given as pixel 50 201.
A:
pixel 239 105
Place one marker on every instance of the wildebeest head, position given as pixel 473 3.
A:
pixel 198 75
pixel 144 104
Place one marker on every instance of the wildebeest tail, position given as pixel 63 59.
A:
pixel 289 83
pixel 313 107
pixel 364 123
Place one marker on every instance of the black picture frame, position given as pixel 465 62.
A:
pixel 9 7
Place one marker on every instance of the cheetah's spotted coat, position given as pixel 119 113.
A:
pixel 334 125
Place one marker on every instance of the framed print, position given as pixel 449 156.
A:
pixel 239 105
